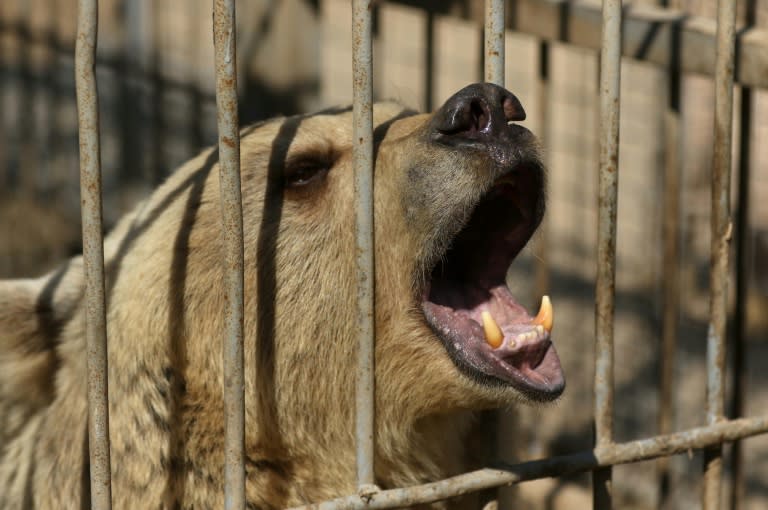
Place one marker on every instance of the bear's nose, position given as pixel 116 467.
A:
pixel 477 111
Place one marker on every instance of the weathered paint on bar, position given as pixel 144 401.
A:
pixel 616 453
pixel 362 154
pixel 232 231
pixel 93 255
pixel 721 236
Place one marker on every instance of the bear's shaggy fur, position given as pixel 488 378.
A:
pixel 165 328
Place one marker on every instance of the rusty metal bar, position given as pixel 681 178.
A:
pixel 610 74
pixel 494 42
pixel 362 154
pixel 615 453
pixel 721 235
pixel 93 254
pixel 232 231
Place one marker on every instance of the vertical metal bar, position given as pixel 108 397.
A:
pixel 721 234
pixel 134 84
pixel 494 41
pixel 47 108
pixel 493 72
pixel 429 60
pixel 541 263
pixel 232 220
pixel 742 277
pixel 28 162
pixel 93 254
pixel 610 74
pixel 362 154
pixel 671 265
pixel 742 284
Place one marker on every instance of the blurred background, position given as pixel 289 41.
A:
pixel 156 90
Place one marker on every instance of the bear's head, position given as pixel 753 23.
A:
pixel 458 194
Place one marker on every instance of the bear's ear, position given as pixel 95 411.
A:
pixel 307 170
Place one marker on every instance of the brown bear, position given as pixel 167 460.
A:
pixel 458 193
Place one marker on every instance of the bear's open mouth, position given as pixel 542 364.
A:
pixel 468 305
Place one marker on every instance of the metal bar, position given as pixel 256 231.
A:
pixel 429 60
pixel 721 235
pixel 137 42
pixel 93 254
pixel 493 72
pixel 739 375
pixel 232 223
pixel 362 154
pixel 616 453
pixel 494 42
pixel 739 385
pixel 671 265
pixel 541 262
pixel 27 173
pixel 610 73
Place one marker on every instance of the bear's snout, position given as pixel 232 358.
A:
pixel 478 111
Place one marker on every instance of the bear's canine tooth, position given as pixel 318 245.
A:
pixel 493 334
pixel 546 316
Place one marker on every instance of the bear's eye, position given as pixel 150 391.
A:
pixel 303 172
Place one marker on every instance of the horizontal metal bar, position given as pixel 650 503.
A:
pixel 647 33
pixel 232 232
pixel 93 255
pixel 616 453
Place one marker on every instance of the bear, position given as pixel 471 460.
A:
pixel 457 195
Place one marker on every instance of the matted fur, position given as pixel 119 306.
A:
pixel 165 328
